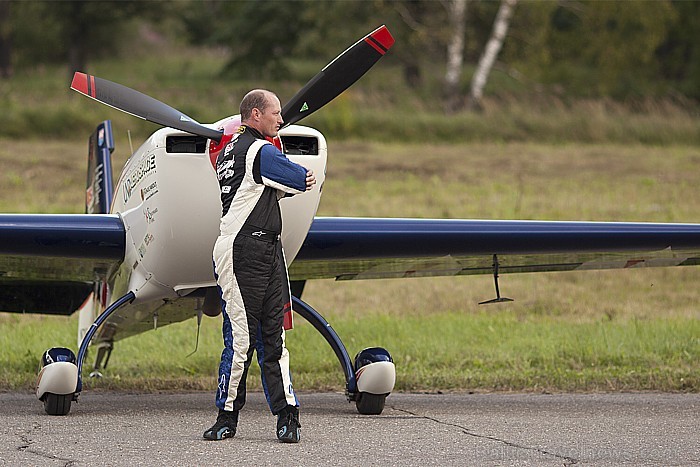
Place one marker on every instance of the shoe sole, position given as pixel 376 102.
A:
pixel 289 437
pixel 288 440
pixel 220 435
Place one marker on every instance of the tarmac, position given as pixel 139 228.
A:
pixel 109 428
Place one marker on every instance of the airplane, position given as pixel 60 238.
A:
pixel 141 255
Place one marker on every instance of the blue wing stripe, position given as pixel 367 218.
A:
pixel 96 236
pixel 365 238
pixel 365 248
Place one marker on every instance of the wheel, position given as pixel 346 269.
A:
pixel 57 404
pixel 370 404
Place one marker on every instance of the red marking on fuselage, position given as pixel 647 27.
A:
pixel 229 128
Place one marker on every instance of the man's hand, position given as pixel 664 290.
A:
pixel 310 180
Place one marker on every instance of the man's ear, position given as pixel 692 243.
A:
pixel 256 113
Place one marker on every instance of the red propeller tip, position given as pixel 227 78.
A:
pixel 384 37
pixel 380 39
pixel 83 83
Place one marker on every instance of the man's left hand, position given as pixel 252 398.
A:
pixel 310 180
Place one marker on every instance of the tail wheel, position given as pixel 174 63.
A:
pixel 57 404
pixel 370 404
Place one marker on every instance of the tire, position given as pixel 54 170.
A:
pixel 370 404
pixel 57 404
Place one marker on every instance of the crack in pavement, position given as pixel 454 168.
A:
pixel 27 443
pixel 567 461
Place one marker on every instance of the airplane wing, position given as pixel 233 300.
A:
pixel 373 248
pixel 49 261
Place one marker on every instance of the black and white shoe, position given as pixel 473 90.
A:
pixel 288 426
pixel 225 426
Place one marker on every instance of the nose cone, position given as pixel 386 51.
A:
pixel 230 127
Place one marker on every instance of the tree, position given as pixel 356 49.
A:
pixel 259 36
pixel 679 54
pixel 624 39
pixel 87 27
pixel 419 29
pixel 71 32
pixel 455 55
pixel 593 48
pixel 483 68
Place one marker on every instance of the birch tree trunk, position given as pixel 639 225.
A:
pixel 493 47
pixel 455 56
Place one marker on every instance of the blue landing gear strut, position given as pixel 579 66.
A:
pixel 322 326
pixel 82 352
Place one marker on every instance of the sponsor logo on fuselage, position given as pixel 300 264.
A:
pixel 148 239
pixel 149 191
pixel 145 167
pixel 144 245
pixel 150 214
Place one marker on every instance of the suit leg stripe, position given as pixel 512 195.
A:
pixel 289 394
pixel 235 328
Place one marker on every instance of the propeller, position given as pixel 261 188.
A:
pixel 332 80
pixel 338 75
pixel 138 104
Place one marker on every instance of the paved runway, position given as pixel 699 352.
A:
pixel 415 429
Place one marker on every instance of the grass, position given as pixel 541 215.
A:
pixel 454 351
pixel 576 331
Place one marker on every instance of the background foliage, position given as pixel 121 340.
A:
pixel 632 58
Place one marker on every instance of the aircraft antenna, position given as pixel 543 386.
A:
pixel 199 326
pixel 498 298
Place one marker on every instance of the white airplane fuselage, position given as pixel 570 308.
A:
pixel 169 200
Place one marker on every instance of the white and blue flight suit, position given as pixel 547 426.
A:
pixel 251 270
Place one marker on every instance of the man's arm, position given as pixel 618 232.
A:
pixel 278 172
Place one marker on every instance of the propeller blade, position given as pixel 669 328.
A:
pixel 139 105
pixel 338 75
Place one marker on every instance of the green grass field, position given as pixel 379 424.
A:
pixel 575 331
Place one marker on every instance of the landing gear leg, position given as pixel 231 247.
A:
pixel 82 352
pixel 59 381
pixel 322 326
pixel 370 379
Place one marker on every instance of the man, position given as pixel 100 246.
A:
pixel 250 267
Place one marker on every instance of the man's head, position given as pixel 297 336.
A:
pixel 261 109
